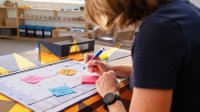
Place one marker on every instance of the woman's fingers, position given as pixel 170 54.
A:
pixel 92 69
pixel 96 63
pixel 88 56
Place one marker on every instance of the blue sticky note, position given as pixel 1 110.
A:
pixel 61 91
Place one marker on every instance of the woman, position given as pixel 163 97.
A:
pixel 166 54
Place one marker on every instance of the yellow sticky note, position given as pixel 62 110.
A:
pixel 103 56
pixel 110 51
pixel 106 54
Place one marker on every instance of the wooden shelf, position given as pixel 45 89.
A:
pixel 56 13
pixel 58 10
pixel 7 7
pixel 58 31
pixel 72 11
pixel 8 26
pixel 31 38
pixel 10 37
pixel 65 31
pixel 37 9
pixel 75 32
pixel 51 20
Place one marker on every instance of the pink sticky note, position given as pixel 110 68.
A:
pixel 89 79
pixel 32 79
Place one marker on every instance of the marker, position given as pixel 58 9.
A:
pixel 95 56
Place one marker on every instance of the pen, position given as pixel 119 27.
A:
pixel 94 57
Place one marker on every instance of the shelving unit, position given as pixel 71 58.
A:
pixel 21 18
pixel 57 31
pixel 8 26
pixel 4 26
pixel 8 36
pixel 51 20
pixel 30 38
pixel 57 10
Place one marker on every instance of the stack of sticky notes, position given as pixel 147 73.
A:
pixel 104 56
pixel 89 79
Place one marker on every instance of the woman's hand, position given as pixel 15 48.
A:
pixel 107 83
pixel 98 66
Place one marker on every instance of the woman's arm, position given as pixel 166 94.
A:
pixel 151 100
pixel 117 107
pixel 143 100
pixel 146 100
pixel 122 71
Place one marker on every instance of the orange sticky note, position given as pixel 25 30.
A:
pixel 89 79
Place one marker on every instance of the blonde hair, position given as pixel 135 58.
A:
pixel 106 13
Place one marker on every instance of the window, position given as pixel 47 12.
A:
pixel 60 1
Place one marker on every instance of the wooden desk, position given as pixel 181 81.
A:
pixel 92 104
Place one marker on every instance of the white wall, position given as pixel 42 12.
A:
pixel 1 1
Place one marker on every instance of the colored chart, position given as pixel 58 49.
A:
pixel 43 89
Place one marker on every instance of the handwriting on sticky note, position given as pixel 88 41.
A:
pixel 89 79
pixel 61 91
pixel 32 79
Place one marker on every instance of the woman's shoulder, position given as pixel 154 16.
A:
pixel 159 29
pixel 181 14
pixel 177 11
pixel 155 22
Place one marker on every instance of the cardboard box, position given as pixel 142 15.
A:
pixel 61 46
pixel 10 22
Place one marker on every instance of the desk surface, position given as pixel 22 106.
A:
pixel 30 58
